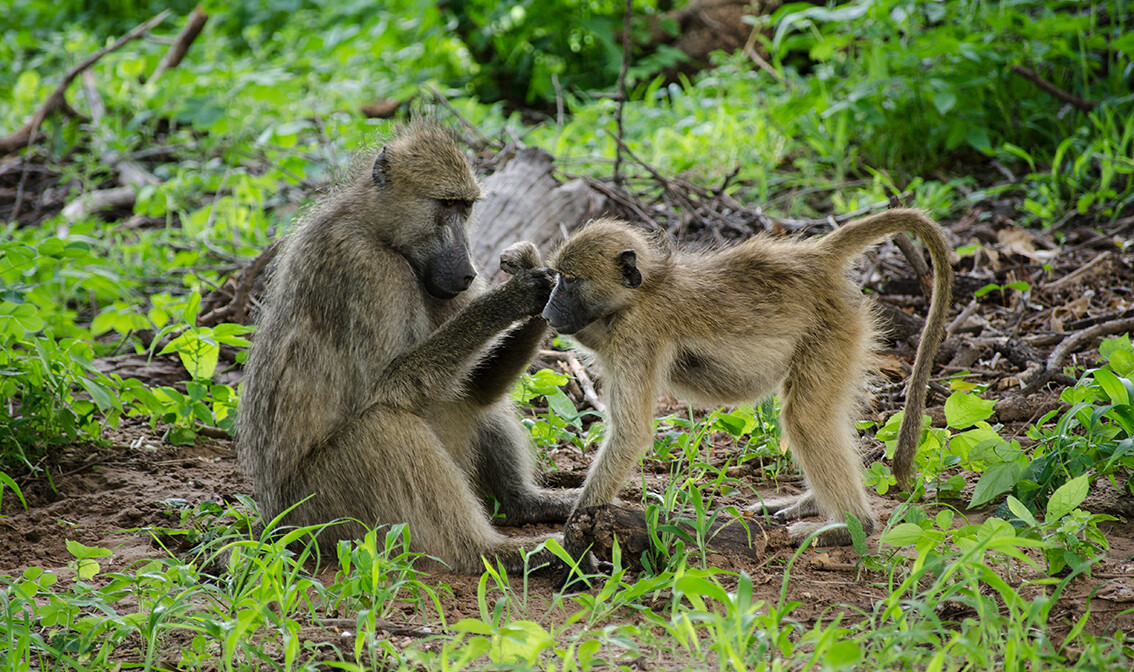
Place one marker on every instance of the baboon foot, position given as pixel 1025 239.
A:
pixel 547 506
pixel 837 533
pixel 788 508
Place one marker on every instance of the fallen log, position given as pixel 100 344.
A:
pixel 524 201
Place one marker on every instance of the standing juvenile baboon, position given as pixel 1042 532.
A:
pixel 731 326
pixel 377 380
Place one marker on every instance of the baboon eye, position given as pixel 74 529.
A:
pixel 452 202
pixel 568 280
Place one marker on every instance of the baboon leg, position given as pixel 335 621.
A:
pixel 387 466
pixel 819 400
pixel 789 507
pixel 505 471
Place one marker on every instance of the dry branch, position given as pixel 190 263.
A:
pixel 1069 345
pixel 588 387
pixel 131 175
pixel 193 26
pixel 917 261
pixel 237 309
pixel 25 135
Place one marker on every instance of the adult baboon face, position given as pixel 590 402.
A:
pixel 444 263
pixel 429 191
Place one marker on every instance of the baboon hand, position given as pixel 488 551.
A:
pixel 519 256
pixel 529 289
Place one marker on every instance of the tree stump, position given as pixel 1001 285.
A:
pixel 524 201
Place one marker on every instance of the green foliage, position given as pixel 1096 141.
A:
pixel 919 82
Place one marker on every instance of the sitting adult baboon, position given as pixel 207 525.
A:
pixel 733 325
pixel 376 383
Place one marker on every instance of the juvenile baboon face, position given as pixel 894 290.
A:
pixel 430 189
pixel 593 281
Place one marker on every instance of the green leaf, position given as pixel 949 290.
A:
pixel 857 534
pixel 997 480
pixel 561 404
pixel 991 287
pixel 963 410
pixel 944 101
pixel 1068 497
pixel 843 653
pixel 81 551
pixel 473 626
pixel 1118 389
pixel 99 393
pixel 1020 511
pixel 905 534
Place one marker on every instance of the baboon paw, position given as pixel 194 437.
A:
pixel 531 288
pixel 783 508
pixel 837 534
pixel 519 256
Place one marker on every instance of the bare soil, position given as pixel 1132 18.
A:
pixel 123 497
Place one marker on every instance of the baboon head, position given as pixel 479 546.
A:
pixel 598 271
pixel 425 191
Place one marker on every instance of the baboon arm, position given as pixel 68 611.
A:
pixel 427 370
pixel 497 372
pixel 632 391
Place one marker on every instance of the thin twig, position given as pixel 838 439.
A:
pixel 1078 273
pixel 482 139
pixel 585 383
pixel 960 319
pixel 237 309
pixel 25 135
pixel 750 49
pixel 845 217
pixel 1066 96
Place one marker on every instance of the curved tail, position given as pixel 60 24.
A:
pixel 849 241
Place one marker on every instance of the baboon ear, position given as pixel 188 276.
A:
pixel 381 163
pixel 628 267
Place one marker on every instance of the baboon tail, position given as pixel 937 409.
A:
pixel 850 240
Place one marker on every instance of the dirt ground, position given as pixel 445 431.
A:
pixel 117 496
pixel 122 497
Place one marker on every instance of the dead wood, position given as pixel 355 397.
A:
pixel 598 527
pixel 524 201
pixel 917 261
pixel 173 57
pixel 588 388
pixel 1071 344
pixel 25 135
pixel 97 201
pixel 237 309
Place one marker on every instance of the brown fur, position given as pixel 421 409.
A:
pixel 734 325
pixel 377 386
